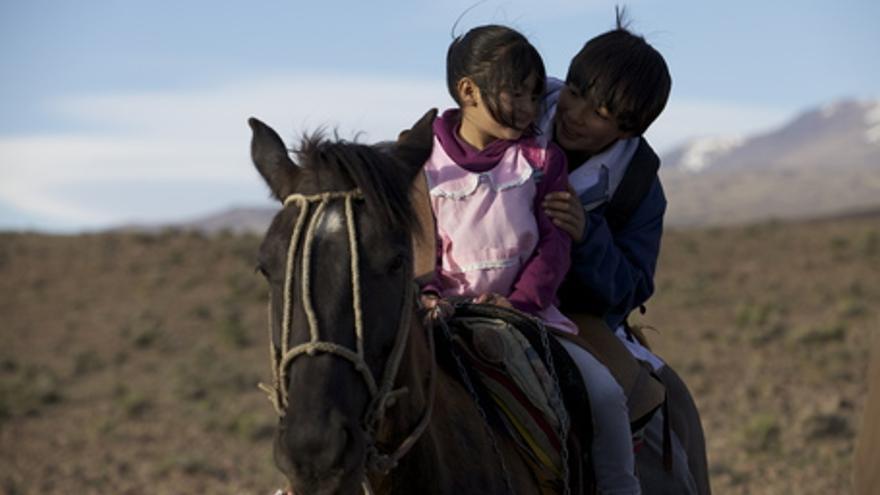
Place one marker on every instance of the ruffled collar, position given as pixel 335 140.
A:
pixel 446 178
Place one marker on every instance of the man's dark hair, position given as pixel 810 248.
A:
pixel 622 72
pixel 497 58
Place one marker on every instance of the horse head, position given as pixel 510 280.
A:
pixel 338 259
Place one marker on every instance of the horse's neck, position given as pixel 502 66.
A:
pixel 438 451
pixel 401 419
pixel 454 452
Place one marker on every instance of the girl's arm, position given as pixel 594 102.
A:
pixel 544 271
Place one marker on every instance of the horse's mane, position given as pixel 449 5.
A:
pixel 383 178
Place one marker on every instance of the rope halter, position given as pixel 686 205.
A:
pixel 381 391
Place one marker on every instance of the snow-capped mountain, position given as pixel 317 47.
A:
pixel 845 131
pixel 700 153
pixel 825 161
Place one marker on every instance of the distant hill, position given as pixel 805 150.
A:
pixel 241 220
pixel 235 220
pixel 824 162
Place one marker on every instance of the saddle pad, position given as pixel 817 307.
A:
pixel 512 374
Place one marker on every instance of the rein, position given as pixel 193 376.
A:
pixel 382 392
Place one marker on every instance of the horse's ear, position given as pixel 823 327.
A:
pixel 414 145
pixel 272 160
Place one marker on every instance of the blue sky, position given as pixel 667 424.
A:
pixel 118 112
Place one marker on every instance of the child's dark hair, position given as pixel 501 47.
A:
pixel 622 72
pixel 498 59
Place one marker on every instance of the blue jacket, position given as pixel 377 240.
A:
pixel 615 268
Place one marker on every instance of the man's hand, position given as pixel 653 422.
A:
pixel 565 210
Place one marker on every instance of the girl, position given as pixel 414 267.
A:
pixel 487 177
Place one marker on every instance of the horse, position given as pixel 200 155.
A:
pixel 362 403
pixel 867 457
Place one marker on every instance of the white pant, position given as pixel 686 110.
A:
pixel 638 350
pixel 654 431
pixel 612 441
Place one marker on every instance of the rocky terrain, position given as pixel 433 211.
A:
pixel 130 361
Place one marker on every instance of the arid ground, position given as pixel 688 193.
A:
pixel 129 362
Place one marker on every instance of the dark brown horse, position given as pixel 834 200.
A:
pixel 362 405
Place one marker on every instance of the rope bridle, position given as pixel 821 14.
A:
pixel 382 392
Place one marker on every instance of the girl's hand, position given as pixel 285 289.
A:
pixel 436 307
pixel 493 298
pixel 429 301
pixel 565 210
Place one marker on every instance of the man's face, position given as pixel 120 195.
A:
pixel 581 127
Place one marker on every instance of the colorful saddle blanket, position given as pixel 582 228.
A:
pixel 513 376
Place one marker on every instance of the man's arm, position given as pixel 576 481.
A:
pixel 617 268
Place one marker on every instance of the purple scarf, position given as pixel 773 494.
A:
pixel 471 159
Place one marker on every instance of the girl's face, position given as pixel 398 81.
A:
pixel 518 106
pixel 581 127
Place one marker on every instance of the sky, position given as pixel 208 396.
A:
pixel 120 112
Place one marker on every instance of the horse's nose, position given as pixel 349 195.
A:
pixel 321 445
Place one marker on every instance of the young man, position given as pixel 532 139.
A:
pixel 616 86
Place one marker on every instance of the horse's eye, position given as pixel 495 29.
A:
pixel 396 263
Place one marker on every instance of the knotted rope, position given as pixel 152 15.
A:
pixel 381 392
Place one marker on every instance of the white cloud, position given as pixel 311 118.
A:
pixel 200 137
pixel 37 171
pixel 378 106
pixel 156 137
